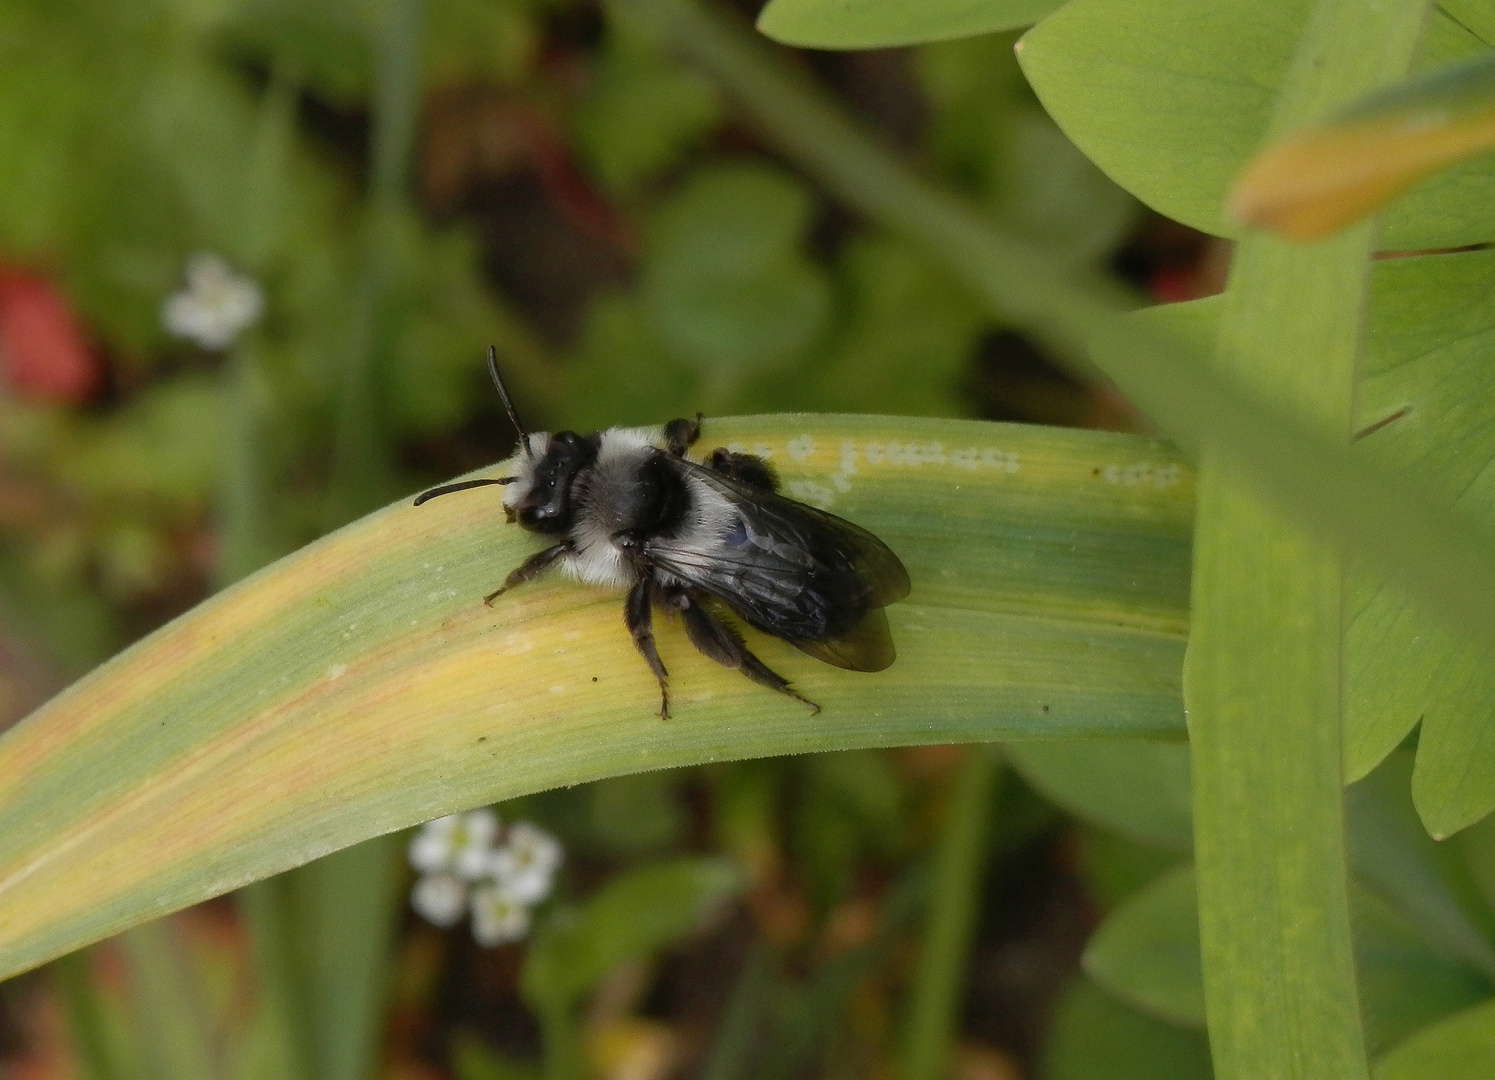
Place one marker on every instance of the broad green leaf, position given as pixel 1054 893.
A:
pixel 1428 882
pixel 1459 1048
pixel 875 24
pixel 724 277
pixel 1325 177
pixel 1172 98
pixel 1095 1037
pixel 1476 845
pixel 1406 982
pixel 1140 789
pixel 985 126
pixel 1422 404
pixel 642 111
pixel 1147 951
pixel 360 685
pixel 631 916
pixel 908 336
pixel 1425 378
pixel 1115 869
pixel 1147 954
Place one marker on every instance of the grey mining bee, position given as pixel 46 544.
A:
pixel 627 509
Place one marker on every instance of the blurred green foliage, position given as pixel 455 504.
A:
pixel 591 205
pixel 123 136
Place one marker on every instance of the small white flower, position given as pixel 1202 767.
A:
pixel 526 862
pixel 498 916
pixel 458 843
pixel 439 898
pixel 215 307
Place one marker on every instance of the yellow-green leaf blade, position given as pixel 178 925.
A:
pixel 361 686
pixel 1327 176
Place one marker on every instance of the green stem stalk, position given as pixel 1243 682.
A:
pixel 167 1003
pixel 85 1017
pixel 955 896
pixel 733 1044
pixel 362 464
pixel 1263 677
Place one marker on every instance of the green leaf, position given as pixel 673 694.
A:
pixel 1172 99
pixel 169 1011
pixel 329 41
pixel 1263 676
pixel 873 24
pixel 1147 954
pixel 1424 880
pixel 1404 983
pixel 472 1060
pixel 1426 364
pixel 632 916
pixel 641 113
pixel 908 336
pixel 360 686
pixel 724 279
pixel 1147 951
pixel 1459 1048
pixel 1322 178
pixel 1095 1037
pixel 1420 406
pixel 1140 789
pixel 344 912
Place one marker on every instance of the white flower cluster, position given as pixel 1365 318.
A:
pixel 465 864
pixel 215 307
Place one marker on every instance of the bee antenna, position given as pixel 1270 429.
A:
pixel 503 394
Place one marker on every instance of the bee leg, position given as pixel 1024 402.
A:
pixel 723 644
pixel 681 434
pixel 638 618
pixel 748 469
pixel 529 569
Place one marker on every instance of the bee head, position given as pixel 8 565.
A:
pixel 540 497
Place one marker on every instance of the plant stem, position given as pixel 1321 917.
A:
pixel 263 908
pixel 362 464
pixel 1263 676
pixel 244 513
pixel 954 901
pixel 343 908
pixel 564 1059
pixel 734 1036
pixel 85 1018
pixel 167 1002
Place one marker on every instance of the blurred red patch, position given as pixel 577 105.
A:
pixel 43 354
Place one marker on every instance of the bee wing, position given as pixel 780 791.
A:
pixel 867 646
pixel 873 561
pixel 798 573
